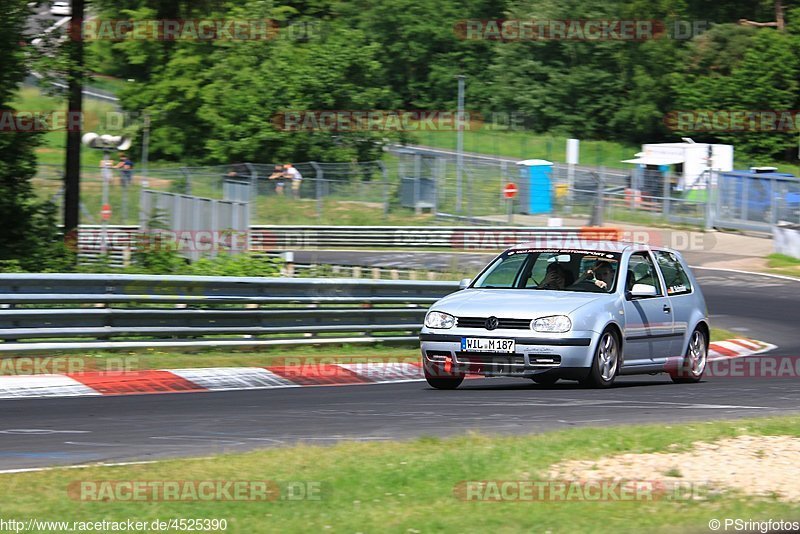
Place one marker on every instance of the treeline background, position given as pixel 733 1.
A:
pixel 213 101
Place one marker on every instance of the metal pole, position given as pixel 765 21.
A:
pixel 503 173
pixel 385 178
pixel 252 195
pixel 106 177
pixel 320 177
pixel 710 200
pixel 459 140
pixel 124 202
pixel 145 147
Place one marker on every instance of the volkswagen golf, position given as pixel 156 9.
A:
pixel 587 314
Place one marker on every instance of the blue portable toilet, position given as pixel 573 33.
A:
pixel 535 186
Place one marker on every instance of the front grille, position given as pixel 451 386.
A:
pixel 508 324
pixel 480 358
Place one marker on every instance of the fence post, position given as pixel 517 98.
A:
pixel 503 178
pixel 711 201
pixel 385 178
pixel 319 178
pixel 773 219
pixel 144 209
pixel 602 198
pixel 666 191
pixel 253 196
pixel 417 177
pixel 187 190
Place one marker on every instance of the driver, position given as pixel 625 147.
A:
pixel 599 277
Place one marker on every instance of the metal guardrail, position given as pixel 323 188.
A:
pixel 286 238
pixel 69 311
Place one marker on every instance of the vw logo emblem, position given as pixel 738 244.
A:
pixel 492 323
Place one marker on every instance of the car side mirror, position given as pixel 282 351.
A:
pixel 641 290
pixel 464 283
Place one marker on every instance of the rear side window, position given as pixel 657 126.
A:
pixel 674 276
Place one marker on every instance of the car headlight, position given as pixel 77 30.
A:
pixel 553 323
pixel 437 319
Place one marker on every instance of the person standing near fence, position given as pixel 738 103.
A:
pixel 294 175
pixel 125 167
pixel 280 175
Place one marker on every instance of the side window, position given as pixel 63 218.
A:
pixel 504 274
pixel 674 276
pixel 642 271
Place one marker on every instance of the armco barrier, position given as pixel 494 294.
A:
pixel 68 311
pixel 283 238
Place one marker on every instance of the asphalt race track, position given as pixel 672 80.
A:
pixel 117 429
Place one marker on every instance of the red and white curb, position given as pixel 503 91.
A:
pixel 737 348
pixel 241 378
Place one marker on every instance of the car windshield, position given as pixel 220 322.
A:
pixel 590 271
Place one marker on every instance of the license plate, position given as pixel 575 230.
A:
pixel 483 344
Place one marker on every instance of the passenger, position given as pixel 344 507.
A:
pixel 556 277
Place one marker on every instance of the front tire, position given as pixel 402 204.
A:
pixel 693 365
pixel 437 378
pixel 605 363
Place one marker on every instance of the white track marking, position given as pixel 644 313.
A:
pixel 738 271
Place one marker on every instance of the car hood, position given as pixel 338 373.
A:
pixel 515 303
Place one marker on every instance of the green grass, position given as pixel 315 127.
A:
pixel 52 149
pixel 408 486
pixel 530 145
pixel 107 83
pixel 720 334
pixel 782 264
pixel 136 360
pixel 229 357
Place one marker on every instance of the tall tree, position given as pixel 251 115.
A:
pixel 29 236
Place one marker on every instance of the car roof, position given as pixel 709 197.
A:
pixel 586 244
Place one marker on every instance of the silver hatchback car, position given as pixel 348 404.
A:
pixel 586 314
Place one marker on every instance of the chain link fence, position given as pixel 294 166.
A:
pixel 578 193
pixel 416 179
pixel 365 184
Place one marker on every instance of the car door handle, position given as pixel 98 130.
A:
pixel 667 309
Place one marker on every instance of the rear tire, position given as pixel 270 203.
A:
pixel 605 363
pixel 694 362
pixel 438 379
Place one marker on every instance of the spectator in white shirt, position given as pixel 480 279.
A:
pixel 294 175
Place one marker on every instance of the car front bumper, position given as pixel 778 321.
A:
pixel 568 355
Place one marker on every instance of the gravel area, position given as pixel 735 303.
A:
pixel 754 465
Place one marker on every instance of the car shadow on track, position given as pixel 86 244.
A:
pixel 561 386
